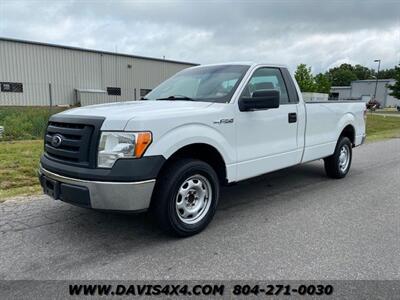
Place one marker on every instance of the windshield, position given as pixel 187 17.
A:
pixel 211 84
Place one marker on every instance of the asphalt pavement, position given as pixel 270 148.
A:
pixel 291 224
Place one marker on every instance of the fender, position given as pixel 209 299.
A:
pixel 347 119
pixel 194 133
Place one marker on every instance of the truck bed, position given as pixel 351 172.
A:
pixel 324 123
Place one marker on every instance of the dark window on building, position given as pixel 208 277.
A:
pixel 12 87
pixel 333 96
pixel 114 91
pixel 144 92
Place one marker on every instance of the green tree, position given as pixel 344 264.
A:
pixel 362 72
pixel 322 84
pixel 395 88
pixel 304 78
pixel 387 73
pixel 342 75
pixel 347 67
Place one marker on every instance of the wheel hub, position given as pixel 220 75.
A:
pixel 344 158
pixel 193 199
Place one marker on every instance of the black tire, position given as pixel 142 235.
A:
pixel 334 167
pixel 165 197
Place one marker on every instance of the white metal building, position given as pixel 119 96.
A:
pixel 365 91
pixel 39 74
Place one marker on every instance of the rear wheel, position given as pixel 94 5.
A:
pixel 186 197
pixel 338 164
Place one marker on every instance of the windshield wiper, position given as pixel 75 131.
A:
pixel 177 97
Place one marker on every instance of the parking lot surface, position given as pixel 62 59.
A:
pixel 291 224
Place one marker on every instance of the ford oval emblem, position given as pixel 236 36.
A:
pixel 56 140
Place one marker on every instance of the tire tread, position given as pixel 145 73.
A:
pixel 331 162
pixel 165 186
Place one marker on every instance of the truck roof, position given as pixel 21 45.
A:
pixel 243 63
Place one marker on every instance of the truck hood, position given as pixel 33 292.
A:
pixel 118 114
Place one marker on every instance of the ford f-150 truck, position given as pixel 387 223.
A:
pixel 204 127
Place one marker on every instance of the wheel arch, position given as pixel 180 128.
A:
pixel 349 132
pixel 204 152
pixel 347 128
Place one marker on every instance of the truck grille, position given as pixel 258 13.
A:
pixel 72 142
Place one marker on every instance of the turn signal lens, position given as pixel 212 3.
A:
pixel 143 141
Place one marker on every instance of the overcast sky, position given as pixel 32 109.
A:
pixel 319 33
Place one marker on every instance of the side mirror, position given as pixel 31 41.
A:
pixel 263 99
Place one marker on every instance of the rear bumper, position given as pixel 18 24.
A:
pixel 364 137
pixel 360 139
pixel 102 195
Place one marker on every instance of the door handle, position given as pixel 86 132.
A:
pixel 292 117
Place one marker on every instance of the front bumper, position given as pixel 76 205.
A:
pixel 102 195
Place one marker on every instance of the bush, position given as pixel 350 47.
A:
pixel 25 123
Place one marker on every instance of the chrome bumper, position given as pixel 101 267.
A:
pixel 120 196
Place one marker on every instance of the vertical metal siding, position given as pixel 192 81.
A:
pixel 66 70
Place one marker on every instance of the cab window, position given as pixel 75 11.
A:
pixel 267 79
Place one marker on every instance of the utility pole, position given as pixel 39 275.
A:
pixel 377 73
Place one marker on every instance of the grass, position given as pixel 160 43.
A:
pixel 20 148
pixel 25 123
pixel 18 165
pixel 19 159
pixel 381 127
pixel 387 112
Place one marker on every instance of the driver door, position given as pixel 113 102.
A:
pixel 266 138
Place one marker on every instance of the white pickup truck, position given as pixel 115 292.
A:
pixel 204 127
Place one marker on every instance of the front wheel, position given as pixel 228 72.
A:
pixel 186 197
pixel 338 164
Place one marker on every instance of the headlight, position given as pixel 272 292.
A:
pixel 116 145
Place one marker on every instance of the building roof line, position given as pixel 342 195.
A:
pixel 6 39
pixel 373 80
